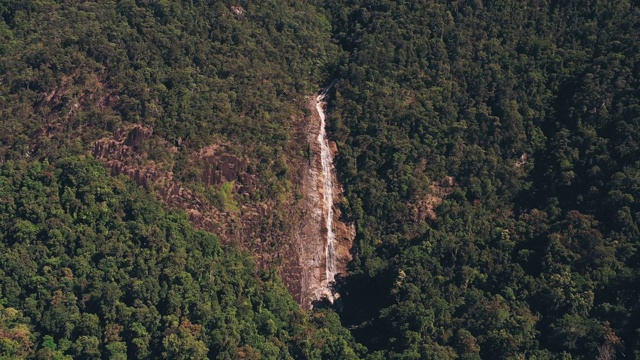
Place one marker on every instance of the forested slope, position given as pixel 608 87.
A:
pixel 532 109
pixel 489 153
pixel 196 72
pixel 92 267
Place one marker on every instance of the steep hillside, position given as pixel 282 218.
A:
pixel 489 154
pixel 92 267
pixel 486 156
pixel 200 102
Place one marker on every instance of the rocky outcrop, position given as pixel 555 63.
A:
pixel 309 234
pixel 423 209
pixel 522 161
pixel 75 92
pixel 57 109
pixel 218 167
pixel 120 156
pixel 237 10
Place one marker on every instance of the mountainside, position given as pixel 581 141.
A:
pixel 168 188
pixel 513 129
pixel 202 103
pixel 92 267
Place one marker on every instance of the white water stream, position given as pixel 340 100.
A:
pixel 327 204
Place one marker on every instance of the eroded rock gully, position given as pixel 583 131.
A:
pixel 288 233
pixel 310 232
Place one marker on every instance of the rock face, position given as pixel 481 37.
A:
pixel 310 234
pixel 286 234
pixel 218 167
pixel 120 156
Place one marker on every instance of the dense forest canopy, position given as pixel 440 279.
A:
pixel 92 267
pixel 489 152
pixel 533 109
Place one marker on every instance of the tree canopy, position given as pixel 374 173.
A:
pixel 489 153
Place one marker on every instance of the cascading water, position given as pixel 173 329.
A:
pixel 327 203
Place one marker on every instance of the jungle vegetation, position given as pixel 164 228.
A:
pixel 532 108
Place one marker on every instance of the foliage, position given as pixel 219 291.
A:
pixel 97 267
pixel 530 107
pixel 533 109
pixel 194 71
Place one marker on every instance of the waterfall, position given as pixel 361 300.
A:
pixel 327 203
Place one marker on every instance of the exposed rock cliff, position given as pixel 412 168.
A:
pixel 310 232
